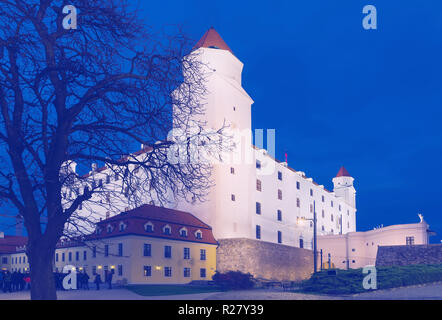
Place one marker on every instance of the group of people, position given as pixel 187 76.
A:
pixel 14 281
pixel 108 275
pixel 82 280
pixel 18 281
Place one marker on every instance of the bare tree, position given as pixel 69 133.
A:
pixel 88 96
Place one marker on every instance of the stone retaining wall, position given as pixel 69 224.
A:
pixel 264 260
pixel 408 255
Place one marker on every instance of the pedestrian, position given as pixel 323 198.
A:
pixel 27 279
pixel 109 278
pixel 1 279
pixel 97 281
pixel 7 279
pixel 85 280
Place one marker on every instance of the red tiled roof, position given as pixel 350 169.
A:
pixel 212 39
pixel 136 219
pixel 8 244
pixel 343 173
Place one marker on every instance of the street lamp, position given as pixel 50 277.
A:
pixel 315 253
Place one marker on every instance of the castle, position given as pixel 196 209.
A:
pixel 257 198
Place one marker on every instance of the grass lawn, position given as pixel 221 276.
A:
pixel 350 281
pixel 169 289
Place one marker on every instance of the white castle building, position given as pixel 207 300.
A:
pixel 255 198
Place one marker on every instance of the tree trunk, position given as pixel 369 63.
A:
pixel 42 276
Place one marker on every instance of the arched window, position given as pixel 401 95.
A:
pixel 109 228
pixel 167 229
pixel 183 232
pixel 198 234
pixel 148 227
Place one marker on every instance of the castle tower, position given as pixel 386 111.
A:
pixel 226 103
pixel 343 187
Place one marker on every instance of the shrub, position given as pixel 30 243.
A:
pixel 233 280
pixel 350 281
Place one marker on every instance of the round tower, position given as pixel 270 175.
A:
pixel 343 187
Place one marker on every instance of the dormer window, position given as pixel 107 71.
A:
pixel 167 230
pixel 148 227
pixel 122 226
pixel 183 232
pixel 109 229
pixel 198 234
pixel 98 231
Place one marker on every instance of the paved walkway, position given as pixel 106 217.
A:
pixel 105 294
pixel 421 292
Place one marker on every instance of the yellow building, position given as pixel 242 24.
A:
pixel 146 245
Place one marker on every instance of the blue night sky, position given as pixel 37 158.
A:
pixel 338 94
pixel 341 95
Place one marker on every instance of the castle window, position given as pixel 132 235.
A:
pixel 323 213
pixel 232 197
pixel 168 271
pixel 348 212
pixel 323 229
pixel 331 217
pixel 301 243
pixel 298 202
pixel 323 198
pixel 122 226
pixel 106 250
pixel 108 179
pixel 279 214
pixel 279 194
pixel 339 207
pixel 258 185
pixel 409 241
pixel 258 208
pixel 147 250
pixel 258 164
pixel 331 203
pixel 147 271
pixel 232 170
pixel 167 252
pixel 279 237
pixel 279 175
pixel 202 254
pixel 234 108
pixel 109 229
pixel 186 253
pixel 258 232
pixel 311 192
pixel 120 249
pixel 311 208
pixel 298 185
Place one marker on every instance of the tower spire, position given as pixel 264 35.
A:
pixel 212 39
